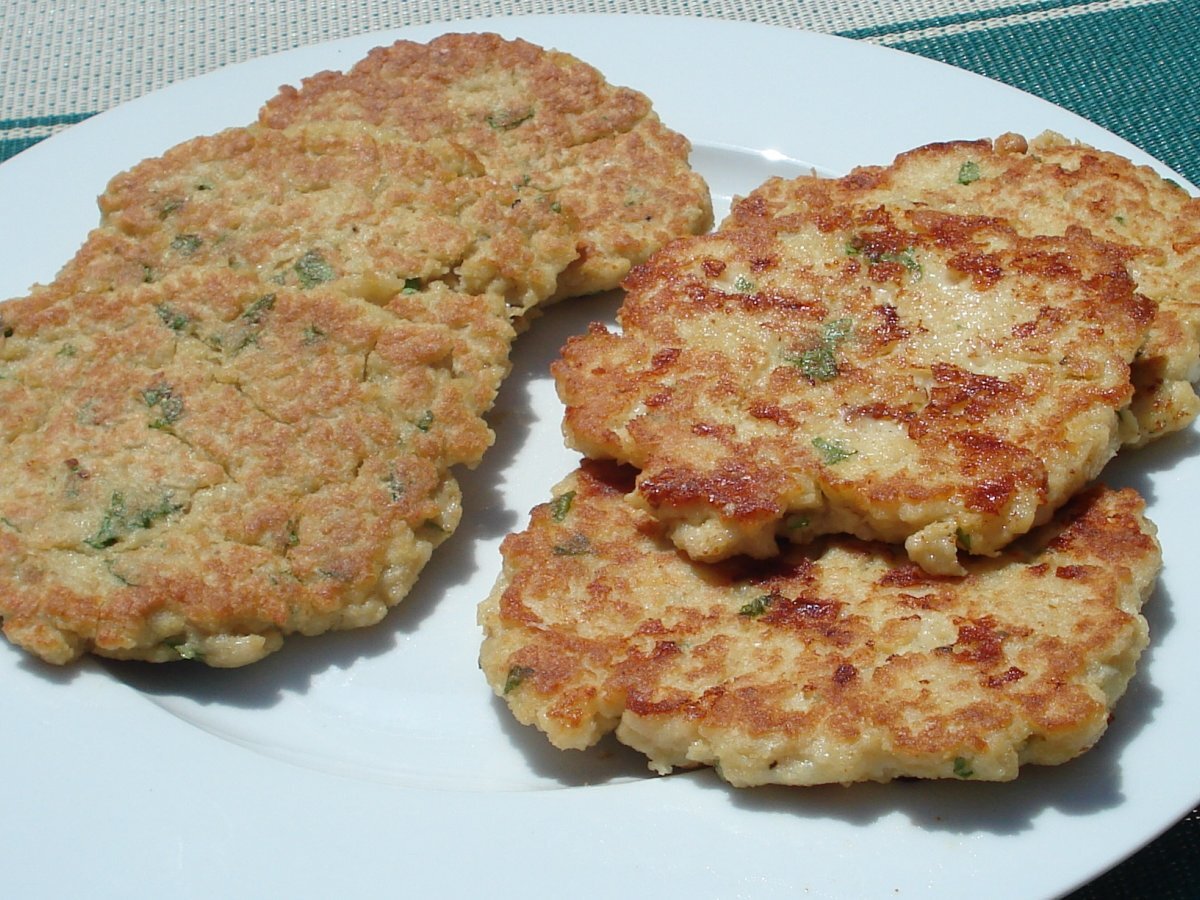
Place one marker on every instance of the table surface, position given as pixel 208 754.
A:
pixel 1127 65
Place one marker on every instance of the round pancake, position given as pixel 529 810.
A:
pixel 1046 186
pixel 893 373
pixel 534 117
pixel 838 662
pixel 194 469
pixel 233 414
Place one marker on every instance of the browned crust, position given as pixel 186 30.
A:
pixel 839 662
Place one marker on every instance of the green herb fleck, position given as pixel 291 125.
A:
pixel 1120 219
pixel 743 285
pixel 575 545
pixel 148 275
pixel 411 285
pixel 907 257
pixel 756 607
pixel 561 505
pixel 516 675
pixel 556 207
pixel 292 537
pixel 832 451
pixel 9 522
pixel 426 421
pixel 170 206
pixel 67 351
pixel 820 362
pixel 396 487
pixel 184 647
pixel 187 244
pixel 962 767
pixel 795 523
pixel 111 523
pixel 255 312
pixel 968 172
pixel 506 119
pixel 963 538
pixel 312 334
pixel 172 318
pixel 162 398
pixel 313 269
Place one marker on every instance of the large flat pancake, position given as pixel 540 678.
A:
pixel 888 371
pixel 840 661
pixel 234 413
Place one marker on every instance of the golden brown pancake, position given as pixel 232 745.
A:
pixel 892 372
pixel 234 413
pixel 839 661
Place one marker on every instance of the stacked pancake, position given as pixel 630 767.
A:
pixel 841 517
pixel 234 413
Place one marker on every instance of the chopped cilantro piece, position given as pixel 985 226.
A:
pixel 259 308
pixel 186 244
pixel 962 767
pixel 820 362
pixel 516 675
pixel 963 538
pixel 170 206
pixel 575 545
pixel 838 330
pixel 968 172
pixel 561 505
pixel 743 285
pixel 426 421
pixel 312 334
pixel 67 351
pixel 832 451
pixel 169 406
pixel 411 285
pixel 313 269
pixel 118 520
pixel 172 318
pixel 755 607
pixel 396 487
pixel 109 530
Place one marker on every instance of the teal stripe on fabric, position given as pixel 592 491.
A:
pixel 43 126
pixel 44 121
pixel 983 15
pixel 1145 99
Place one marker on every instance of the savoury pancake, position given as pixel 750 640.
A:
pixel 894 373
pixel 1047 186
pixel 838 662
pixel 533 117
pixel 234 413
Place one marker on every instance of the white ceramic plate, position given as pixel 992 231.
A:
pixel 378 762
